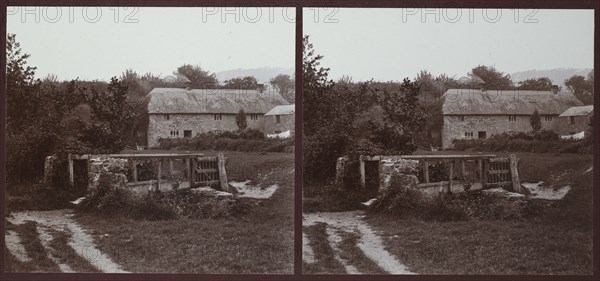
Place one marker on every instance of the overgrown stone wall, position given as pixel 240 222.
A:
pixel 397 173
pixel 115 168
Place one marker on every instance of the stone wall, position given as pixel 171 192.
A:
pixel 271 126
pixel 161 125
pixel 114 167
pixel 455 128
pixel 564 126
pixel 397 173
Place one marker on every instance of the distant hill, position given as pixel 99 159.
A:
pixel 557 75
pixel 263 74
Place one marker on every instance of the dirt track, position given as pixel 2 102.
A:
pixel 370 243
pixel 60 221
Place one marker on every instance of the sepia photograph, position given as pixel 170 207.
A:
pixel 150 140
pixel 447 141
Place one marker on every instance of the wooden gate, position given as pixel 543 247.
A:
pixel 503 172
pixel 209 171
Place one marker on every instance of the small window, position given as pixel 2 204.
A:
pixel 187 133
pixel 461 118
pixel 174 133
pixel 548 118
pixel 512 118
pixel 253 116
pixel 572 120
pixel 218 117
pixel 277 119
pixel 481 134
pixel 468 135
pixel 168 117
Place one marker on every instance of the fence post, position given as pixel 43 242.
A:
pixel 451 175
pixel 484 176
pixel 362 171
pixel 190 166
pixel 514 173
pixel 135 176
pixel 158 175
pixel 71 172
pixel 222 172
pixel 425 170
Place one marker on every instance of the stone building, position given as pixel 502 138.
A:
pixel 180 112
pixel 479 114
pixel 575 120
pixel 280 121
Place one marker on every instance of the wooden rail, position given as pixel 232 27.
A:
pixel 201 170
pixel 482 170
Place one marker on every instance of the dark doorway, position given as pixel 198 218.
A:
pixel 482 135
pixel 80 176
pixel 187 133
pixel 372 177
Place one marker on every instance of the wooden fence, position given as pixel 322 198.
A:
pixel 199 170
pixel 458 172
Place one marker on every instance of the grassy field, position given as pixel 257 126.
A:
pixel 260 240
pixel 558 240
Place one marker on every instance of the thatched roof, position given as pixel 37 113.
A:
pixel 282 110
pixel 178 100
pixel 492 102
pixel 578 111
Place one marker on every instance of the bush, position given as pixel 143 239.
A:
pixel 246 140
pixel 109 201
pixel 455 207
pixel 541 141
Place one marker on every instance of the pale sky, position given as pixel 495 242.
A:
pixel 391 44
pixel 80 42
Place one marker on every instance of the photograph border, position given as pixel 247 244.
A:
pixel 299 5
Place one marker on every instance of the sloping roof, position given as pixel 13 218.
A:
pixel 578 111
pixel 282 110
pixel 493 102
pixel 179 100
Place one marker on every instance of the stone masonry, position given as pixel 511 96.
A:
pixel 456 126
pixel 397 173
pixel 161 125
pixel 114 167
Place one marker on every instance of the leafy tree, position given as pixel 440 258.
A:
pixel 285 85
pixel 536 121
pixel 351 119
pixel 244 83
pixel 21 86
pixel 491 78
pixel 198 77
pixel 240 120
pixel 537 84
pixel 581 87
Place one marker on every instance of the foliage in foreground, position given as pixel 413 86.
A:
pixel 109 201
pixel 456 206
